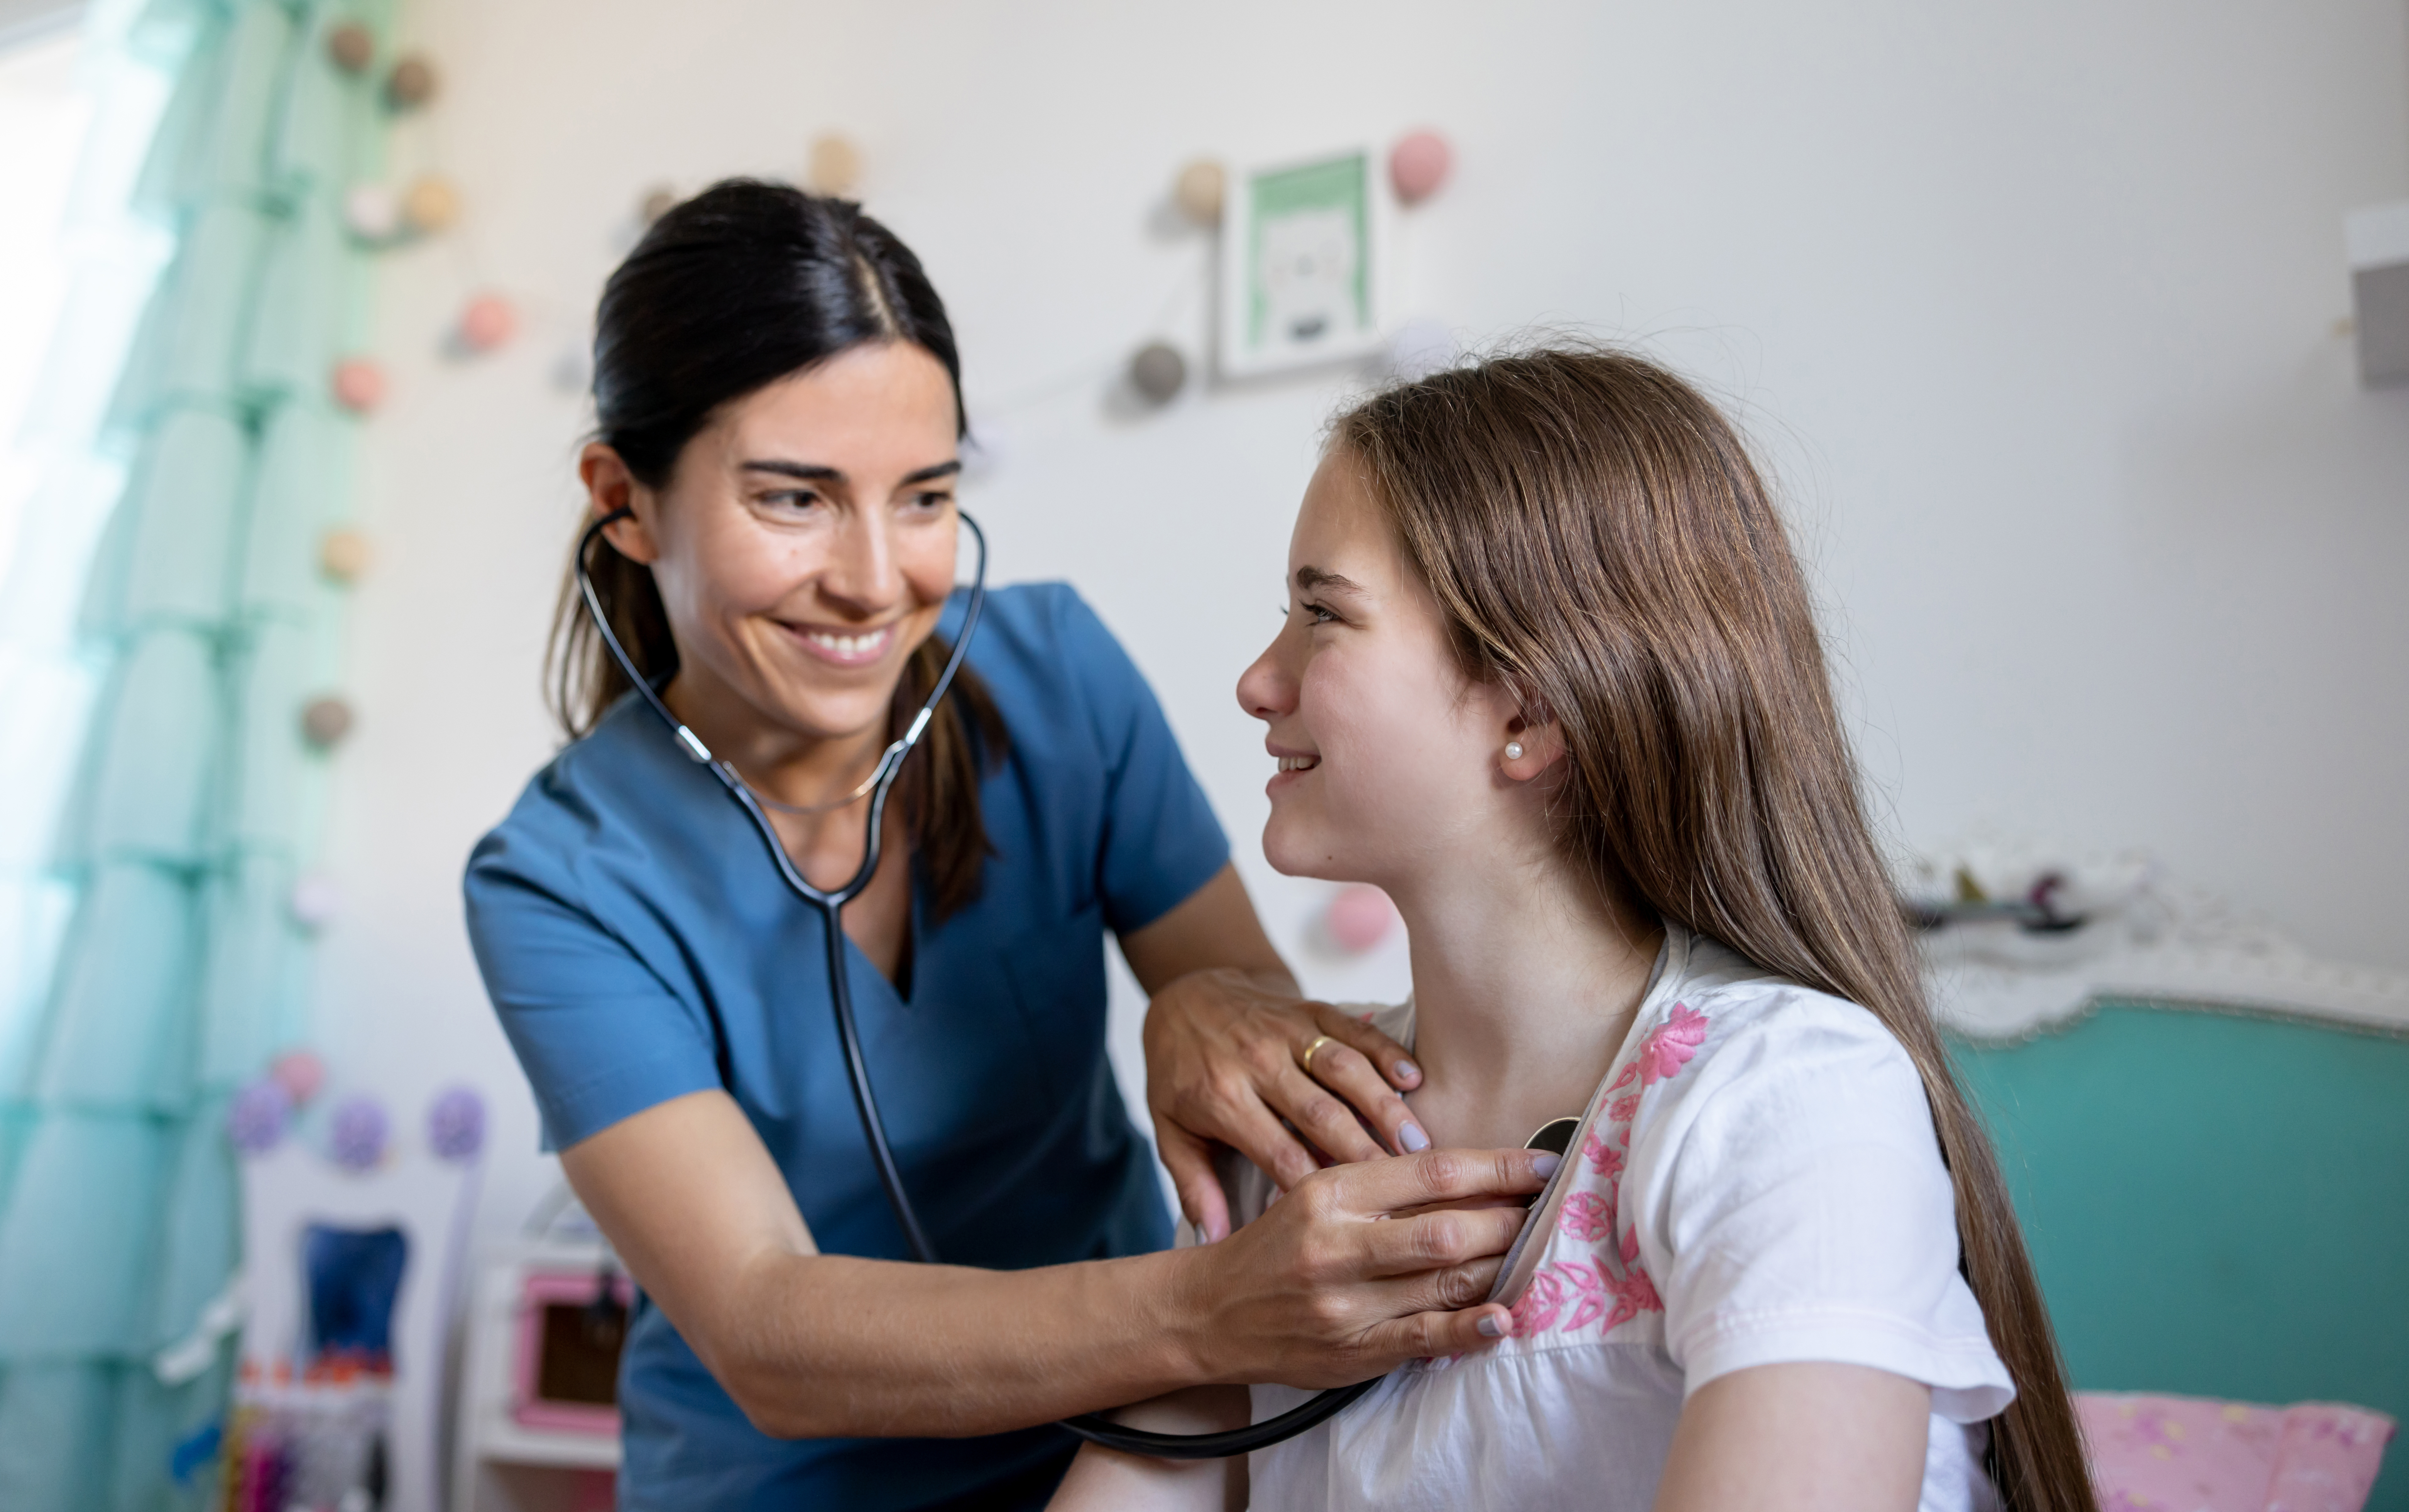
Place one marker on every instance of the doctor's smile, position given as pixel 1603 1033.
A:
pixel 858 648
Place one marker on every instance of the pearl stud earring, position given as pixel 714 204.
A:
pixel 1513 750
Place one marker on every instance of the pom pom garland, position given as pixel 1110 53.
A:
pixel 455 1125
pixel 1419 165
pixel 256 1118
pixel 358 383
pixel 1359 918
pixel 300 1073
pixel 358 1135
pixel 325 720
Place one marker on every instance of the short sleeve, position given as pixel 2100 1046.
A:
pixel 598 1034
pixel 1794 1208
pixel 1160 839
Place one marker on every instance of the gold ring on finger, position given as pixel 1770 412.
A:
pixel 1306 1060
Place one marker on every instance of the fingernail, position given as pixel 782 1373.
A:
pixel 1492 1325
pixel 1407 1071
pixel 1413 1139
pixel 1545 1163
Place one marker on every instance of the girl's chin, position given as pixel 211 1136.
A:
pixel 1295 854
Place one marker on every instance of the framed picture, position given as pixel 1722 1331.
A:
pixel 1304 254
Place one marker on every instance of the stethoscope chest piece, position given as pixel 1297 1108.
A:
pixel 1554 1136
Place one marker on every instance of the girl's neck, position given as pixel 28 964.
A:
pixel 1525 984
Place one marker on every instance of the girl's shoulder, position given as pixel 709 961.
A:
pixel 1735 1075
pixel 1715 1018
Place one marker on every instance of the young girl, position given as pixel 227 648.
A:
pixel 1549 676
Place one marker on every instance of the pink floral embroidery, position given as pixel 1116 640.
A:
pixel 1542 1302
pixel 1666 1048
pixel 1587 1216
pixel 1603 1158
pixel 1634 1294
pixel 1590 1291
pixel 1569 1294
pixel 1671 1043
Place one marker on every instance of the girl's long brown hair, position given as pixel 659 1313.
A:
pixel 1602 542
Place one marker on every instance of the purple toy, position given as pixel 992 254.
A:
pixel 256 1118
pixel 455 1124
pixel 359 1134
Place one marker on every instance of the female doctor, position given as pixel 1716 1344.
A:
pixel 777 391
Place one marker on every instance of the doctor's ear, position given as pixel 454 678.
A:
pixel 610 488
pixel 1531 748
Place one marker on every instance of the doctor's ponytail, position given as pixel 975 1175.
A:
pixel 747 284
pixel 1601 543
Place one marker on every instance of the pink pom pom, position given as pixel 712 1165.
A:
pixel 300 1073
pixel 488 321
pixel 359 385
pixel 1419 165
pixel 1359 918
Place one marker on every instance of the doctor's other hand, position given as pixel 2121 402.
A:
pixel 1360 1268
pixel 1226 1061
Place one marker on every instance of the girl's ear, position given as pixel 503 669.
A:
pixel 1533 745
pixel 611 488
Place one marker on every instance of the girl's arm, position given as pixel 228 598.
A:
pixel 1799 1438
pixel 1317 1294
pixel 1108 1481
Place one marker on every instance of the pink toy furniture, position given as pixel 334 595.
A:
pixel 2189 1454
pixel 563 1381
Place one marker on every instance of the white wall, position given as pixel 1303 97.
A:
pixel 2032 305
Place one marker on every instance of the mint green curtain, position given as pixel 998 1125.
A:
pixel 174 972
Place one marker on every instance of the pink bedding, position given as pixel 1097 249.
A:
pixel 2190 1454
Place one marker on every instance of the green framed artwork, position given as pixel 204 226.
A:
pixel 1304 254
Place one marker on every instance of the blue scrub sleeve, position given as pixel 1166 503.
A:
pixel 601 1036
pixel 1160 839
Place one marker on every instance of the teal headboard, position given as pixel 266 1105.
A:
pixel 2217 1206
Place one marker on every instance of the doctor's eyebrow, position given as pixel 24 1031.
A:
pixel 820 472
pixel 810 472
pixel 1310 578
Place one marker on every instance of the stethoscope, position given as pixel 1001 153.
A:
pixel 1090 1426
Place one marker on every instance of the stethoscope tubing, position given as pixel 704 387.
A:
pixel 829 904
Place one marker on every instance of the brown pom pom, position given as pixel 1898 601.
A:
pixel 410 84
pixel 325 720
pixel 352 47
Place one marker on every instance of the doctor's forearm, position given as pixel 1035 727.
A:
pixel 829 1345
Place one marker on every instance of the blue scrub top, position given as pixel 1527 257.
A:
pixel 626 891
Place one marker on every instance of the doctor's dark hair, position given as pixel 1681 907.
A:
pixel 747 284
pixel 1601 544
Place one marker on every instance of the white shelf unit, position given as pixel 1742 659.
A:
pixel 500 1465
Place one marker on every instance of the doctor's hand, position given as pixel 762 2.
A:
pixel 1225 1064
pixel 1364 1267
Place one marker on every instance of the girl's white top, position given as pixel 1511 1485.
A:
pixel 1756 1181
